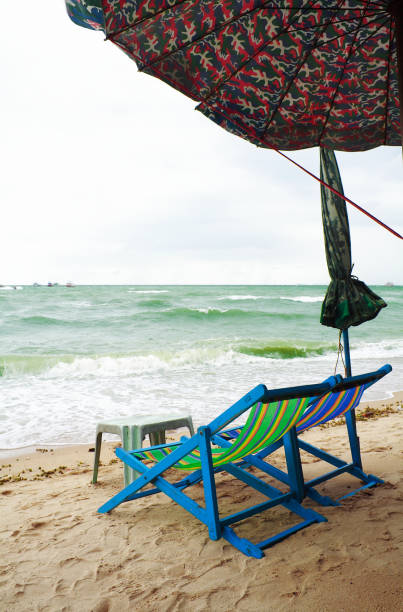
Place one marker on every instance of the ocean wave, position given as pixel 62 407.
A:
pixel 148 291
pixel 17 365
pixel 144 364
pixel 153 302
pixel 66 366
pixel 212 313
pixel 284 351
pixel 205 311
pixel 385 349
pixel 244 297
pixel 43 320
pixel 11 288
pixel 304 298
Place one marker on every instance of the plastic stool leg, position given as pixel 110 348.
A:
pixel 190 426
pixel 126 445
pixel 137 442
pixel 158 437
pixel 98 443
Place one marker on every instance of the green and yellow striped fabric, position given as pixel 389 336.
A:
pixel 266 424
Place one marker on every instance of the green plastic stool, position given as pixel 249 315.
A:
pixel 132 431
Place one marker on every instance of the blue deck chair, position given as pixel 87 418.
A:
pixel 271 415
pixel 341 400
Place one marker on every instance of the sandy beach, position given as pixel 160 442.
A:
pixel 58 553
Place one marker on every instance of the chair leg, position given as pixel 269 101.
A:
pixel 353 438
pixel 98 443
pixel 210 495
pixel 294 466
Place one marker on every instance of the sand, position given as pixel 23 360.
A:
pixel 59 554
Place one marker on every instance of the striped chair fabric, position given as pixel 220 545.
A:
pixel 330 406
pixel 266 424
pixel 320 411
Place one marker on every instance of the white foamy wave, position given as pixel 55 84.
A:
pixel 206 310
pixel 83 367
pixel 304 298
pixel 148 291
pixel 10 288
pixel 386 349
pixel 242 297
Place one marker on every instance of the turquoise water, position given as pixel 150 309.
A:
pixel 70 356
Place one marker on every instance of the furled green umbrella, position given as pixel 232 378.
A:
pixel 348 301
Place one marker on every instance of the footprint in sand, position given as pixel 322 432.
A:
pixel 37 524
pixel 102 606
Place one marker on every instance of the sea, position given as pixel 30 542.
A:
pixel 73 356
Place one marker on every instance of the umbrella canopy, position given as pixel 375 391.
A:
pixel 285 74
pixel 348 301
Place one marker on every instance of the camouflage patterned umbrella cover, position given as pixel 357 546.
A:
pixel 348 301
pixel 283 74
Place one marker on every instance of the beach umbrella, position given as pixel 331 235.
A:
pixel 283 74
pixel 348 301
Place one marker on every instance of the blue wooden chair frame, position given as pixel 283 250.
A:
pixel 209 515
pixel 293 443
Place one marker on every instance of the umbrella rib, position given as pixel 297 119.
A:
pixel 341 195
pixel 247 61
pixel 345 198
pixel 164 56
pixel 288 29
pixel 381 9
pixel 338 83
pixel 308 52
pixel 140 21
pixel 216 29
pixel 221 27
pixel 352 51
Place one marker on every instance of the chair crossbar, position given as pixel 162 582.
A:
pixel 319 453
pixel 284 534
pixel 236 517
pixel 252 481
pixel 181 484
pixel 372 483
pixel 329 475
pixel 267 468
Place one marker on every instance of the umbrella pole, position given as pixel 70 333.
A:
pixel 350 416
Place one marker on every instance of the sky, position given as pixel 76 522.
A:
pixel 109 176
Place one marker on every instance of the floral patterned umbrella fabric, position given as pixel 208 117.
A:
pixel 284 74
